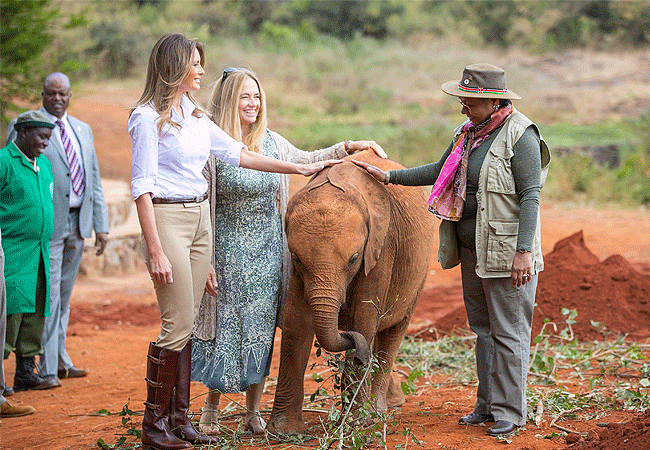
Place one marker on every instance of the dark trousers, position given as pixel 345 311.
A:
pixel 25 330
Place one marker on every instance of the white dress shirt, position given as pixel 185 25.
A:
pixel 169 165
pixel 75 200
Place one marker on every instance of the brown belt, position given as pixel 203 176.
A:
pixel 199 199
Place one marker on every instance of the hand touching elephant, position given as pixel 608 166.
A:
pixel 353 241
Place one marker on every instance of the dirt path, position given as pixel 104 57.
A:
pixel 114 319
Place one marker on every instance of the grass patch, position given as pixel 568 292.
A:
pixel 611 374
pixel 571 135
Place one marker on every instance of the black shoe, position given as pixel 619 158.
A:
pixel 7 391
pixel 501 427
pixel 26 379
pixel 54 379
pixel 72 372
pixel 475 418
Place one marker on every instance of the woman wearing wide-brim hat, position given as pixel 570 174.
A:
pixel 486 191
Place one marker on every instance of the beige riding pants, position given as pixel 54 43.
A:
pixel 186 236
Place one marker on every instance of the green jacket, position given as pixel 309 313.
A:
pixel 497 217
pixel 26 220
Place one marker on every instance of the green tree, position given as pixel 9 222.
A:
pixel 24 35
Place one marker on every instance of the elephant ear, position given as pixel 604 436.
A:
pixel 352 179
pixel 317 180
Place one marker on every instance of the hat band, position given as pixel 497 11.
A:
pixel 32 124
pixel 482 90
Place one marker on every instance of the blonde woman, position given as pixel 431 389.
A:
pixel 233 339
pixel 172 139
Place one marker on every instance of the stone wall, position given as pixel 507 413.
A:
pixel 123 252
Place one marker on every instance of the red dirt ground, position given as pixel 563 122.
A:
pixel 602 272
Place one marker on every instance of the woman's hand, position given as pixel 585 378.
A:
pixel 521 268
pixel 310 169
pixel 376 172
pixel 357 146
pixel 160 268
pixel 211 284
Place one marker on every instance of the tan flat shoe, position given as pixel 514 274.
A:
pixel 9 410
pixel 209 422
pixel 254 422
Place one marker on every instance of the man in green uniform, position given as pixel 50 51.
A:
pixel 26 220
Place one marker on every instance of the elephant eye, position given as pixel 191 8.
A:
pixel 353 259
pixel 295 264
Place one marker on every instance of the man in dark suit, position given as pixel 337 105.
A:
pixel 79 207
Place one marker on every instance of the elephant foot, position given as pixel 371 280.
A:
pixel 282 425
pixel 396 401
pixel 364 421
pixel 395 397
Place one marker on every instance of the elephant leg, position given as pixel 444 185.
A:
pixel 385 388
pixel 395 397
pixel 297 339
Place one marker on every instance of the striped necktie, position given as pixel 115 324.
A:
pixel 76 177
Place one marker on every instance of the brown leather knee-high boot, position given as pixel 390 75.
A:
pixel 181 425
pixel 161 376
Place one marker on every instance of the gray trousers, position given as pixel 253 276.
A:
pixel 65 257
pixel 501 315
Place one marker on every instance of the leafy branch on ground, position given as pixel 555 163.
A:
pixel 353 420
pixel 618 370
pixel 127 423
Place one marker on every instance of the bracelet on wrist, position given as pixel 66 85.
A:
pixel 387 179
pixel 346 146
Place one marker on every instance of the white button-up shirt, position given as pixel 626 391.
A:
pixel 169 165
pixel 75 200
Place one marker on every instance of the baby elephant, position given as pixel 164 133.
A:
pixel 360 254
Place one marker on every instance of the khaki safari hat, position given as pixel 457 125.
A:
pixel 480 81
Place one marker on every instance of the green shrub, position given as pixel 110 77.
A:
pixel 419 145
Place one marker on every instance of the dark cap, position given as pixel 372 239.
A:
pixel 32 119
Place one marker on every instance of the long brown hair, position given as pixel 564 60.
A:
pixel 170 63
pixel 224 108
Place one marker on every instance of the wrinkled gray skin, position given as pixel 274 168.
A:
pixel 353 241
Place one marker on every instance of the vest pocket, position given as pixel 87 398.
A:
pixel 502 242
pixel 499 176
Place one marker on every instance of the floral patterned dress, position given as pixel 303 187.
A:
pixel 248 263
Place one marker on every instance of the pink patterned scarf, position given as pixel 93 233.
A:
pixel 447 198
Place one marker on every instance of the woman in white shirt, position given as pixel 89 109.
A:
pixel 172 139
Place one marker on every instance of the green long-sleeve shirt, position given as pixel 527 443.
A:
pixel 526 171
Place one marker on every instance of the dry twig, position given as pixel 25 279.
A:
pixel 567 430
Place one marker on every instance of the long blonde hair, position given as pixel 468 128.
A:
pixel 224 108
pixel 170 63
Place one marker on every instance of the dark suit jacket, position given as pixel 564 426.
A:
pixel 93 213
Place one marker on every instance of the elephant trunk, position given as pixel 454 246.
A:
pixel 325 313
